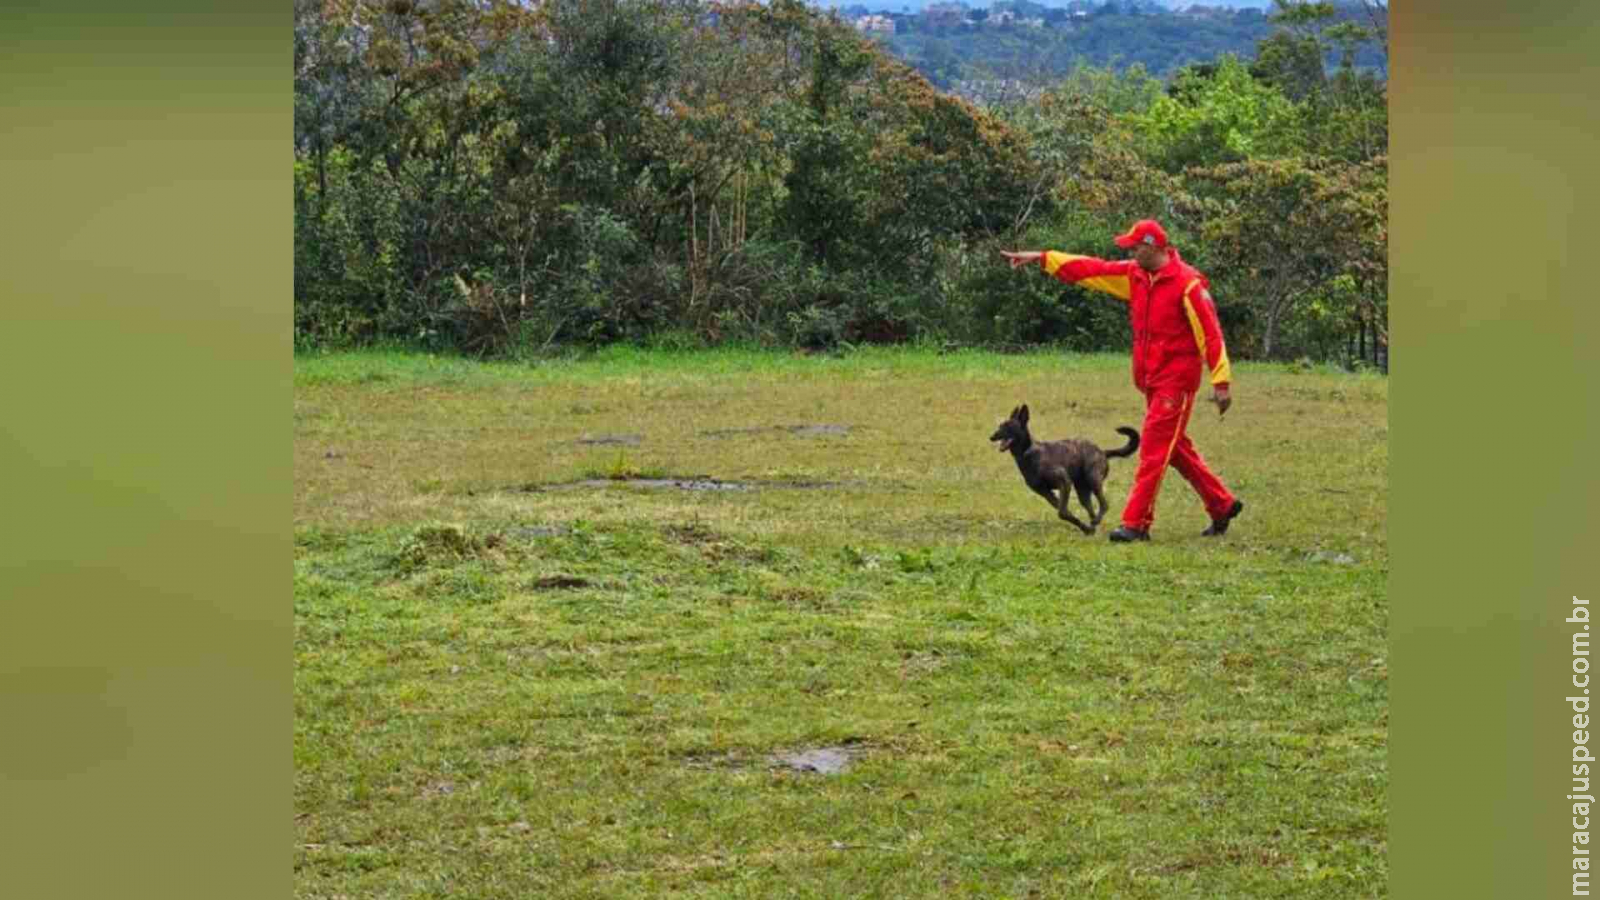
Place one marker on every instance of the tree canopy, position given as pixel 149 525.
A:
pixel 504 178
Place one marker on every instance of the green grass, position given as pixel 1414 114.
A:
pixel 509 688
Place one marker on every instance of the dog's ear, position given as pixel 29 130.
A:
pixel 1022 414
pixel 1015 411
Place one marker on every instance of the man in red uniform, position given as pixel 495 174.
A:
pixel 1175 337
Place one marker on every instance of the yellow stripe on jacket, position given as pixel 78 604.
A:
pixel 1087 271
pixel 1221 370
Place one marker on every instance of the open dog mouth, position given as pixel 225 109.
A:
pixel 1005 444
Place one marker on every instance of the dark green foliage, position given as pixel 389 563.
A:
pixel 501 180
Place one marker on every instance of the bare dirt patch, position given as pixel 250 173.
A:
pixel 559 582
pixel 796 430
pixel 821 760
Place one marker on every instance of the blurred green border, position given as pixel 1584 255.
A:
pixel 146 645
pixel 145 662
pixel 1494 135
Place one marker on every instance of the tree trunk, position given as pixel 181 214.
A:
pixel 322 183
pixel 1273 312
pixel 694 249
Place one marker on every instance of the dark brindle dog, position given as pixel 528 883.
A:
pixel 1051 466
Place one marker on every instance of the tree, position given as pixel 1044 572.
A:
pixel 390 99
pixel 1226 117
pixel 1376 15
pixel 1291 63
pixel 1278 231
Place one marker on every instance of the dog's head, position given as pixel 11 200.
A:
pixel 1013 429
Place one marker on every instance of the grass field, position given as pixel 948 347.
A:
pixel 520 674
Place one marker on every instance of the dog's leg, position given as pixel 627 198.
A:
pixel 1101 496
pixel 1048 495
pixel 1086 496
pixel 1066 514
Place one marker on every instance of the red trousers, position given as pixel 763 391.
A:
pixel 1162 442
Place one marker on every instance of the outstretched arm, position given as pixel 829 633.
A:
pixel 1088 271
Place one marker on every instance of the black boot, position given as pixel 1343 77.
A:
pixel 1124 535
pixel 1219 527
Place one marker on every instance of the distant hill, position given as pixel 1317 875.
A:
pixel 1054 41
pixel 916 6
pixel 1162 44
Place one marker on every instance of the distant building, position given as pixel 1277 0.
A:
pixel 875 23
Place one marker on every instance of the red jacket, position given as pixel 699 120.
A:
pixel 1174 320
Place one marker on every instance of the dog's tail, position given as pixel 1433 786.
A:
pixel 1133 443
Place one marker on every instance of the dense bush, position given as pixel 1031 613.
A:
pixel 501 179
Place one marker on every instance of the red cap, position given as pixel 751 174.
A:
pixel 1144 231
